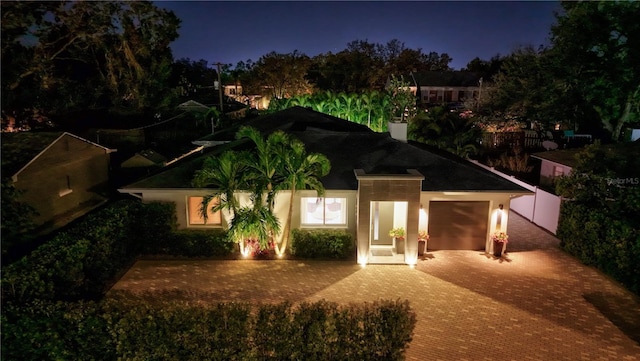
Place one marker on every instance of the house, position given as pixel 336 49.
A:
pixel 555 163
pixel 147 158
pixel 62 176
pixel 438 87
pixel 233 90
pixel 193 106
pixel 376 183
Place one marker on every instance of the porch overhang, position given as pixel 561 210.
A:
pixel 396 187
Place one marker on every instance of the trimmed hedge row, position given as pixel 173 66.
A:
pixel 336 244
pixel 596 238
pixel 192 243
pixel 82 261
pixel 121 328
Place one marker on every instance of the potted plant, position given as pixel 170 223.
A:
pixel 398 236
pixel 423 237
pixel 500 240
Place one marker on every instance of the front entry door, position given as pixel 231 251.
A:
pixel 381 223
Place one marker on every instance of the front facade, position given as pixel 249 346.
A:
pixel 446 87
pixel 62 176
pixel 376 183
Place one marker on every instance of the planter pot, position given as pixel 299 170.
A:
pixel 497 249
pixel 421 247
pixel 399 245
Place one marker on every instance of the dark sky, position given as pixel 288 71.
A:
pixel 230 31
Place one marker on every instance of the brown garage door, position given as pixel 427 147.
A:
pixel 457 225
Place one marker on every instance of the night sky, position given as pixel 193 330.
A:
pixel 231 31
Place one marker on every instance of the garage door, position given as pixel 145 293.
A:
pixel 457 225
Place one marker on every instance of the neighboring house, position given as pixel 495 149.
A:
pixel 233 91
pixel 376 183
pixel 437 87
pixel 61 175
pixel 193 106
pixel 145 159
pixel 555 163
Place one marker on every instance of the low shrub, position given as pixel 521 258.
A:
pixel 335 244
pixel 134 329
pixel 81 261
pixel 600 240
pixel 192 243
pixel 45 330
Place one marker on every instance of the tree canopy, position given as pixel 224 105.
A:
pixel 588 79
pixel 598 44
pixel 64 56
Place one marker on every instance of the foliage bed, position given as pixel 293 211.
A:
pixel 82 261
pixel 599 220
pixel 192 243
pixel 323 244
pixel 599 239
pixel 128 328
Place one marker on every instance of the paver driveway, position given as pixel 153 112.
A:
pixel 535 304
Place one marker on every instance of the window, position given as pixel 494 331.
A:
pixel 195 218
pixel 323 211
pixel 433 96
pixel 558 171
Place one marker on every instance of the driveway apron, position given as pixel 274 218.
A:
pixel 536 303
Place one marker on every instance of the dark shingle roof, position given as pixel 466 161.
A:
pixel 352 146
pixel 20 148
pixel 561 156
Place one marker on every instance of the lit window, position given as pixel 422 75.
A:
pixel 323 211
pixel 195 217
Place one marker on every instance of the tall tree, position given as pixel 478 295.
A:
pixel 598 42
pixel 487 69
pixel 194 79
pixel 226 174
pixel 521 88
pixel 284 74
pixel 265 163
pixel 452 132
pixel 300 171
pixel 63 56
pixel 402 99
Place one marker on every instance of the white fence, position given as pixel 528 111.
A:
pixel 541 207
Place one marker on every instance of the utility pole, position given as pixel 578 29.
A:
pixel 220 89
pixel 479 94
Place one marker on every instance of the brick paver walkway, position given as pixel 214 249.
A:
pixel 537 303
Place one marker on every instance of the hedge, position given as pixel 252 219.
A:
pixel 598 239
pixel 134 329
pixel 192 243
pixel 324 244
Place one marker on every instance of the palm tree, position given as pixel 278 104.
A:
pixel 254 223
pixel 265 177
pixel 445 130
pixel 301 171
pixel 347 103
pixel 264 163
pixel 382 111
pixel 226 174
